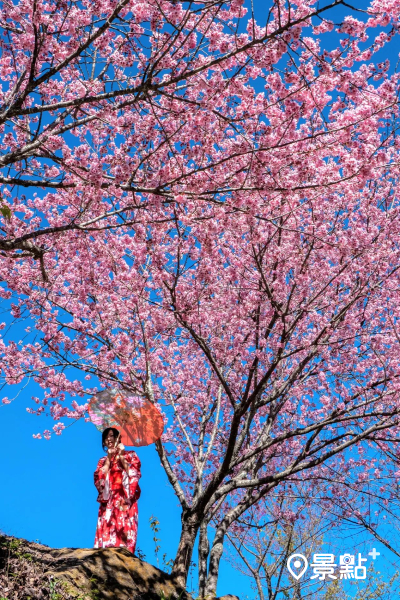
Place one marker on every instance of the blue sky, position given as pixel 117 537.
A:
pixel 48 492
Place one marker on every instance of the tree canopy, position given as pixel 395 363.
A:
pixel 210 219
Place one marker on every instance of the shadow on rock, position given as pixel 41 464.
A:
pixel 31 570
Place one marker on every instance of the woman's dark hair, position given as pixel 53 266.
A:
pixel 105 434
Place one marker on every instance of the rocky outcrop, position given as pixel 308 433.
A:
pixel 30 571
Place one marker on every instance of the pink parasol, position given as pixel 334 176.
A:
pixel 139 421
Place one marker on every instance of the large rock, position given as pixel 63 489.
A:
pixel 34 571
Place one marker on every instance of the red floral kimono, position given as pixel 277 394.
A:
pixel 118 514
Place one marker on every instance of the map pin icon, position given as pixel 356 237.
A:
pixel 296 561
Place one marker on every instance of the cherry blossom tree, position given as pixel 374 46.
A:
pixel 307 517
pixel 261 543
pixel 120 111
pixel 276 354
pixel 230 252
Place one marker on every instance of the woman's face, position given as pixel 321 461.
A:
pixel 110 440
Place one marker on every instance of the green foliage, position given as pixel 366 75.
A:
pixel 141 555
pixel 5 211
pixel 167 564
pixel 14 546
pixel 154 526
pixel 84 594
pixel 54 594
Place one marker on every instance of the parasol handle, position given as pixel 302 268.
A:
pixel 116 444
pixel 118 438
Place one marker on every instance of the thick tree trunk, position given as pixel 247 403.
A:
pixel 215 557
pixel 204 549
pixel 190 527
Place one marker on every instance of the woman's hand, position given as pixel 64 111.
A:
pixel 122 459
pixel 111 453
pixel 106 466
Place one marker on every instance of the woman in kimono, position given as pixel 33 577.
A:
pixel 116 479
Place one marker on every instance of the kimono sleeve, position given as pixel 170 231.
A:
pixel 131 480
pixel 101 481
